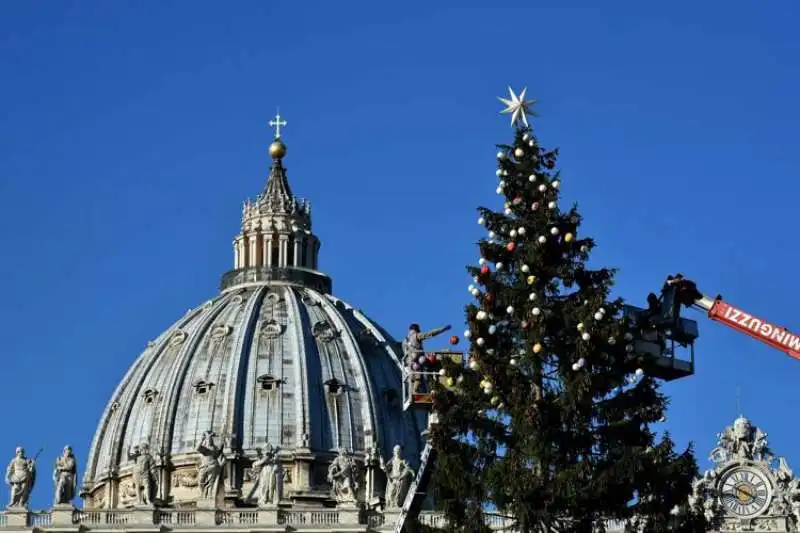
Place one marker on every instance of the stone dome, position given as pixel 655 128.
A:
pixel 273 360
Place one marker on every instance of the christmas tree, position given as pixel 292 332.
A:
pixel 550 421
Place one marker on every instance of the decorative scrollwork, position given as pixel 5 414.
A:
pixel 220 331
pixel 270 329
pixel 324 331
pixel 178 338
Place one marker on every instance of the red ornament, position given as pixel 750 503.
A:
pixel 510 246
pixel 454 340
pixel 484 270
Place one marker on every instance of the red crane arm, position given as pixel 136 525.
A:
pixel 735 318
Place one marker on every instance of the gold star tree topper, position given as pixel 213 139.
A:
pixel 518 106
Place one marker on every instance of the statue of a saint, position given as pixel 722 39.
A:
pixel 21 476
pixel 341 476
pixel 144 479
pixel 210 467
pixel 398 476
pixel 266 487
pixel 65 476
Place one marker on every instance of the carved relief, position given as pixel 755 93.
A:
pixel 237 300
pixel 273 298
pixel 270 329
pixel 127 493
pixel 178 338
pixel 187 478
pixel 324 331
pixel 220 331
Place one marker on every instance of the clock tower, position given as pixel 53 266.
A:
pixel 749 488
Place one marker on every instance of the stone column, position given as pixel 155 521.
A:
pixel 241 253
pixel 252 256
pixel 268 251
pixel 235 255
pixel 282 259
pixel 297 244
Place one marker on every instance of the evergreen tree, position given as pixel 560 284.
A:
pixel 550 421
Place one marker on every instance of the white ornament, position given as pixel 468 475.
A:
pixel 629 348
pixel 532 178
pixel 586 336
pixel 555 184
pixel 473 365
pixel 481 221
pixel 502 184
pixel 512 362
pixel 479 341
pixel 521 231
pixel 554 231
pixel 551 205
pixel 498 266
pixel 510 310
pixel 518 152
pixel 576 367
pixel 488 389
pixel 501 155
pixel 542 187
pixel 471 287
pixel 598 316
pixel 475 292
pixel 584 248
pixel 612 341
pixel 492 235
pixel 481 315
pixel 580 326
pixel 526 136
pixel 532 296
pixel 581 362
pixel 534 206
pixel 512 233
pixel 542 239
pixel 504 173
pixel 531 143
pixel 482 261
pixel 525 268
pixel 536 311
pixel 499 172
pixel 492 329
pixel 467 334
pixel 602 310
pixel 639 372
pixel 507 211
pixel 499 190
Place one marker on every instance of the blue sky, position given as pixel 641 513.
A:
pixel 130 133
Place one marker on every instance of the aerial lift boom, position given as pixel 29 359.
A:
pixel 684 292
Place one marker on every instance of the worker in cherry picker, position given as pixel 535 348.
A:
pixel 414 353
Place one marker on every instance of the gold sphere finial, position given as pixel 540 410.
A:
pixel 277 149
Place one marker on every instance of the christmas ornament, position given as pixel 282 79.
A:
pixel 475 292
pixel 568 237
pixel 551 205
pixel 584 248
pixel 554 231
pixel 492 329
pixel 612 341
pixel 586 336
pixel 467 334
pixel 448 382
pixel 517 200
pixel 499 172
pixel 492 235
pixel 510 246
pixel 525 268
pixel 482 261
pixel 532 296
pixel 628 336
pixel 510 310
pixel 512 362
pixel 532 178
pixel 454 340
pixel 473 365
pixel 481 315
pixel 499 190
pixel 518 152
pixel 479 341
pixel 531 280
pixel 521 231
pixel 481 221
pixel 536 311
pixel 629 348
pixel 526 136
pixel 555 184
pixel 639 372
pixel 542 239
pixel 542 187
pixel 537 348
pixel 580 326
pixel 518 107
pixel 498 266
pixel 507 211
pixel 534 206
pixel 484 270
pixel 443 372
pixel 504 173
pixel 531 143
pixel 512 233
pixel 501 155
pixel 598 316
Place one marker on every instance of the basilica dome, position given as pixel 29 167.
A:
pixel 273 360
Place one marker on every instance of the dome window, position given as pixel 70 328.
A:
pixel 324 331
pixel 268 383
pixel 334 386
pixel 202 387
pixel 149 395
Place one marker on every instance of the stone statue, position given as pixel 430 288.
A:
pixel 210 467
pixel 144 479
pixel 21 476
pixel 761 451
pixel 741 441
pixel 398 476
pixel 65 476
pixel 784 474
pixel 269 475
pixel 342 477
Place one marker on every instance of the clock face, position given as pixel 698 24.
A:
pixel 745 492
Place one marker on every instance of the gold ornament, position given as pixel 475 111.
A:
pixel 537 348
pixel 568 237
pixel 531 280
